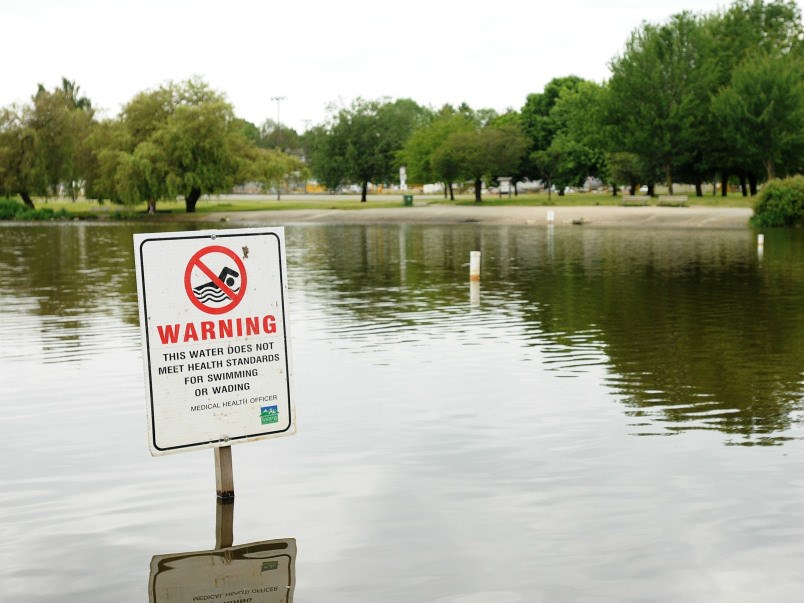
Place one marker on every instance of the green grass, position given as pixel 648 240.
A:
pixel 286 204
pixel 537 199
pixel 92 210
pixel 16 210
pixel 587 199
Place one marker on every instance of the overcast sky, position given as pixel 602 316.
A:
pixel 316 52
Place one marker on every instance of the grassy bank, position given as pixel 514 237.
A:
pixel 49 209
pixel 16 210
pixel 589 199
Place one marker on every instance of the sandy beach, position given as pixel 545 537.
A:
pixel 586 216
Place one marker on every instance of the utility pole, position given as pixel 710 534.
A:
pixel 306 129
pixel 278 100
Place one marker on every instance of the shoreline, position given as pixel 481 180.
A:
pixel 592 216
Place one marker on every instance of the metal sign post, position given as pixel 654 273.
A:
pixel 216 347
pixel 224 476
pixel 224 523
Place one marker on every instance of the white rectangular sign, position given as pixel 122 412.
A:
pixel 215 337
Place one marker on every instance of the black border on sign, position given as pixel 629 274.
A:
pixel 148 342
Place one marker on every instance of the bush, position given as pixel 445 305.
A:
pixel 9 209
pixel 14 210
pixel 781 203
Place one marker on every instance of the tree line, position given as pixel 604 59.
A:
pixel 178 140
pixel 699 98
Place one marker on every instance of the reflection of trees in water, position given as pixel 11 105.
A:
pixel 69 270
pixel 72 275
pixel 382 272
pixel 697 333
pixel 711 348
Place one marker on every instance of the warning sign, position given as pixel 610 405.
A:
pixel 215 338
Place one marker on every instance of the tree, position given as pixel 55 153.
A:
pixel 547 162
pixel 106 148
pixel 580 133
pixel 419 152
pixel 629 169
pixel 361 142
pixel 740 33
pixel 326 154
pixel 537 121
pixel 763 112
pixel 41 143
pixel 750 26
pixel 652 94
pixel 273 135
pixel 143 174
pixel 185 135
pixel 249 130
pixel 513 119
pixel 71 92
pixel 489 151
pixel 366 147
pixel 204 150
pixel 272 167
pixel 22 168
pixel 63 119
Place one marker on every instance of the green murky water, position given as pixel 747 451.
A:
pixel 608 416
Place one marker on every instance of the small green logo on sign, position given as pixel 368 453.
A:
pixel 269 414
pixel 269 565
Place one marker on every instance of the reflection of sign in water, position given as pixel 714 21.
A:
pixel 262 572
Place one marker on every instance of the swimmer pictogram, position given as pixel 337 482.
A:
pixel 215 279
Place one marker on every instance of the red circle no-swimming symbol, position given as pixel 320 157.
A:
pixel 215 279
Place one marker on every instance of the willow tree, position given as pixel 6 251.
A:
pixel 22 169
pixel 181 139
pixel 197 134
pixel 41 143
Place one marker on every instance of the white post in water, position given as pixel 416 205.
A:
pixel 474 265
pixel 551 216
pixel 760 240
pixel 474 293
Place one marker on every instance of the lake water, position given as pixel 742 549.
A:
pixel 610 416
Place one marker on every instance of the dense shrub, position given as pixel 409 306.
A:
pixel 14 210
pixel 781 203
